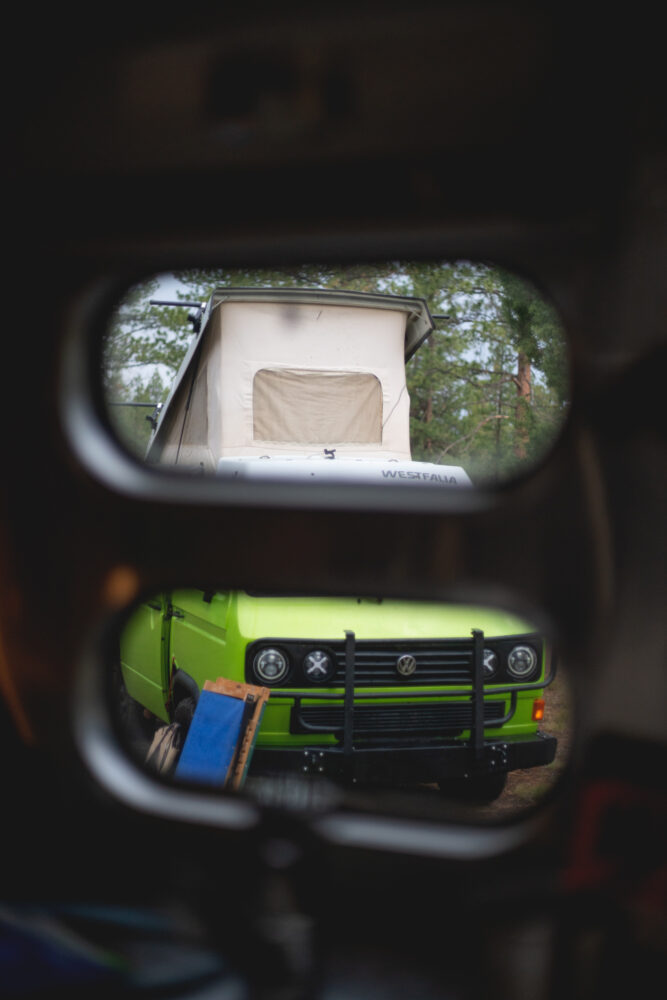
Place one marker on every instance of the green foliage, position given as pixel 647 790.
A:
pixel 143 351
pixel 494 334
pixel 134 407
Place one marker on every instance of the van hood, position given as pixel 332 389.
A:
pixel 315 618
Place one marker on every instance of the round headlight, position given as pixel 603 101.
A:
pixel 490 663
pixel 270 666
pixel 318 666
pixel 522 661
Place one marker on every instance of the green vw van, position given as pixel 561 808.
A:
pixel 305 385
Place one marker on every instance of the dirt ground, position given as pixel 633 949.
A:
pixel 526 788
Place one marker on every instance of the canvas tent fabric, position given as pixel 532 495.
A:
pixel 316 407
pixel 288 377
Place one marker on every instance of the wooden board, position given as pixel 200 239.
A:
pixel 255 699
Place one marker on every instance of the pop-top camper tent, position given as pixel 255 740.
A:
pixel 294 374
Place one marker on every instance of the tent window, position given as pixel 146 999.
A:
pixel 313 407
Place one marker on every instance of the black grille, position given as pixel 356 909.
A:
pixel 444 661
pixel 441 662
pixel 394 719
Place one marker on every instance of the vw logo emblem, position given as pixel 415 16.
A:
pixel 406 665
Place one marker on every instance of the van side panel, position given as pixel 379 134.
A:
pixel 143 656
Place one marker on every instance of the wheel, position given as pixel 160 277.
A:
pixel 183 713
pixel 479 790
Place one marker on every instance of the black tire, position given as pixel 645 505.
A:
pixel 480 790
pixel 183 713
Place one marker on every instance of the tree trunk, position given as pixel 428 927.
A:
pixel 428 417
pixel 428 412
pixel 521 434
pixel 499 413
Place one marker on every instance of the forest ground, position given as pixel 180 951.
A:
pixel 528 787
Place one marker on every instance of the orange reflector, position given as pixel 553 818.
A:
pixel 538 709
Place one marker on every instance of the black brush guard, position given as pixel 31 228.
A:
pixel 397 760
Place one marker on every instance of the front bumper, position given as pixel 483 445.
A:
pixel 422 757
pixel 395 765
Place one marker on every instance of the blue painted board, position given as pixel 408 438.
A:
pixel 212 737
